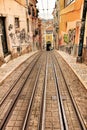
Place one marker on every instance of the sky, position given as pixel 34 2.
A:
pixel 46 8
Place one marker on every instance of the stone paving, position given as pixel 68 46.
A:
pixel 7 68
pixel 80 69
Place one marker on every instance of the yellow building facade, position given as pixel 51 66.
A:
pixel 49 37
pixel 70 20
pixel 47 34
pixel 73 25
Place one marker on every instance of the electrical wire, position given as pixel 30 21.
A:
pixel 47 8
pixel 46 11
pixel 42 5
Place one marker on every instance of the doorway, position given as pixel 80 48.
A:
pixel 3 35
pixel 48 46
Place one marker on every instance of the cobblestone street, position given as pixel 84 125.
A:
pixel 43 65
pixel 45 99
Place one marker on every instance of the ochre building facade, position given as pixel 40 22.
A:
pixel 18 27
pixel 72 25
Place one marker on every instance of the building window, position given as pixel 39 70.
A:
pixel 29 10
pixel 27 2
pixel 27 25
pixel 16 22
pixel 67 2
pixel 37 11
pixel 33 12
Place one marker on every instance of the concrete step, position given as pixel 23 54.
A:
pixel 7 58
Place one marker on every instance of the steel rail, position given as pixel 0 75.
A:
pixel 80 119
pixel 31 101
pixel 43 105
pixel 64 125
pixel 2 124
pixel 13 85
pixel 64 120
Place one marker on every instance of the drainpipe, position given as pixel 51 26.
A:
pixel 1 48
pixel 80 50
pixel 82 31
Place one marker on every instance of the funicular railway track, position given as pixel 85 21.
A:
pixel 50 119
pixel 14 92
pixel 34 110
pixel 20 70
pixel 45 102
pixel 60 110
pixel 37 115
pixel 72 118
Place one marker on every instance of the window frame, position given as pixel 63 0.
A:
pixel 17 24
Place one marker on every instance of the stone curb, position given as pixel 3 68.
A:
pixel 79 77
pixel 16 66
